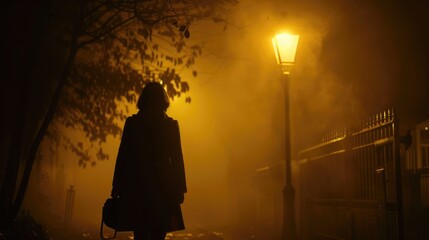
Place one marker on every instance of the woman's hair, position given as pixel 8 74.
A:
pixel 153 97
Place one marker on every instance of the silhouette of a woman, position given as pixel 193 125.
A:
pixel 149 174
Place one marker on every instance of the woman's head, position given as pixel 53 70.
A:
pixel 153 97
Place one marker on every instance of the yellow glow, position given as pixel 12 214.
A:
pixel 285 46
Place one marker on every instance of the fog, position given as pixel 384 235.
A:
pixel 354 58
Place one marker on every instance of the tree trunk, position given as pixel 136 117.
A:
pixel 23 23
pixel 42 131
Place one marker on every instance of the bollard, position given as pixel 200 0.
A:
pixel 69 206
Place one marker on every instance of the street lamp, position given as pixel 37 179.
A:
pixel 285 48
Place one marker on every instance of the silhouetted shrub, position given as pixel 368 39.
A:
pixel 26 228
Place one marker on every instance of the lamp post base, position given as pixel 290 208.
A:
pixel 289 226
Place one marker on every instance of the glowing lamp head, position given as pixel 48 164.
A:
pixel 285 46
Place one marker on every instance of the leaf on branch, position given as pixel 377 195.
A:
pixel 143 32
pixel 184 87
pixel 187 33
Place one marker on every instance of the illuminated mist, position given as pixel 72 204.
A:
pixel 354 58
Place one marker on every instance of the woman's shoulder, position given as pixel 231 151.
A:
pixel 132 120
pixel 171 120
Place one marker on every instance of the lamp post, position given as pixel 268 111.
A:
pixel 285 48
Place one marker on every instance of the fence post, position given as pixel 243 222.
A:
pixel 382 199
pixel 69 206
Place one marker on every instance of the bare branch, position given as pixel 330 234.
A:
pixel 112 29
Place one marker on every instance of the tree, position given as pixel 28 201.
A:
pixel 111 48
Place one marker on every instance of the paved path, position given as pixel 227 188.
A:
pixel 191 233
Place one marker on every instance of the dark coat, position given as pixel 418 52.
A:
pixel 149 174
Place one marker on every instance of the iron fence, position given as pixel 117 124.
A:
pixel 351 183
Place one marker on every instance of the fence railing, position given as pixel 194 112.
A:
pixel 350 182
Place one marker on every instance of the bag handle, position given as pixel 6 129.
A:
pixel 101 232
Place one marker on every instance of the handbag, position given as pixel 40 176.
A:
pixel 110 217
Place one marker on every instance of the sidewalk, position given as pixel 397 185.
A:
pixel 191 233
pixel 177 236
